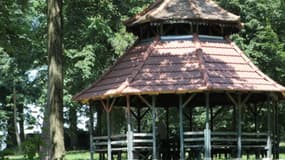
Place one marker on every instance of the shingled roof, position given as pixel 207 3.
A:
pixel 185 10
pixel 181 64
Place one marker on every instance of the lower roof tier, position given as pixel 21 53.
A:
pixel 180 64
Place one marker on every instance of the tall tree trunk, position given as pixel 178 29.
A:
pixel 55 149
pixel 15 117
pixel 11 138
pixel 73 127
pixel 21 122
pixel 45 144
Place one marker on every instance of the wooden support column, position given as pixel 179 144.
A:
pixel 91 124
pixel 269 143
pixel 212 118
pixel 239 105
pixel 139 119
pixel 154 149
pixel 277 131
pixel 167 122
pixel 181 129
pixel 130 131
pixel 191 118
pixel 109 154
pixel 108 109
pixel 234 123
pixel 99 111
pixel 207 131
pixel 273 131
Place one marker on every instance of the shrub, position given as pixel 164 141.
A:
pixel 30 147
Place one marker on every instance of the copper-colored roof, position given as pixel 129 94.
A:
pixel 181 64
pixel 184 10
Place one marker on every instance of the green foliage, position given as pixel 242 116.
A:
pixel 5 153
pixel 262 37
pixel 30 147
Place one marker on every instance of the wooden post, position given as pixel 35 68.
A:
pixel 234 124
pixel 276 135
pixel 139 119
pixel 207 131
pixel 239 105
pixel 269 144
pixel 212 120
pixel 154 151
pixel 167 122
pixel 109 147
pixel 273 131
pixel 161 29
pixel 181 131
pixel 99 110
pixel 91 120
pixel 130 132
pixel 191 118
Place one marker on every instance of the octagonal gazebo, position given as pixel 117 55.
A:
pixel 183 59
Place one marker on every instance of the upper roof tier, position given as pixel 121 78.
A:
pixel 181 11
pixel 180 64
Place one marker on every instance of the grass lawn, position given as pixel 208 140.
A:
pixel 73 155
pixel 85 155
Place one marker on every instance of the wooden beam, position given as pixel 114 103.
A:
pixel 186 115
pixel 181 129
pixel 232 99
pixel 218 112
pixel 145 113
pixel 107 106
pixel 145 101
pixel 112 104
pixel 153 106
pixel 188 100
pixel 104 105
pixel 134 114
pixel 246 99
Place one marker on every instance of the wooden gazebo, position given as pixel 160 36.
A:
pixel 183 59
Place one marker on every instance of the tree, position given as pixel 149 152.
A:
pixel 54 136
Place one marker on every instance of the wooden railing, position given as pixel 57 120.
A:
pixel 118 143
pixel 254 140
pixel 194 140
pixel 225 142
pixel 219 140
pixel 140 141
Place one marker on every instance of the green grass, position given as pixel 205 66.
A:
pixel 85 155
pixel 73 155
